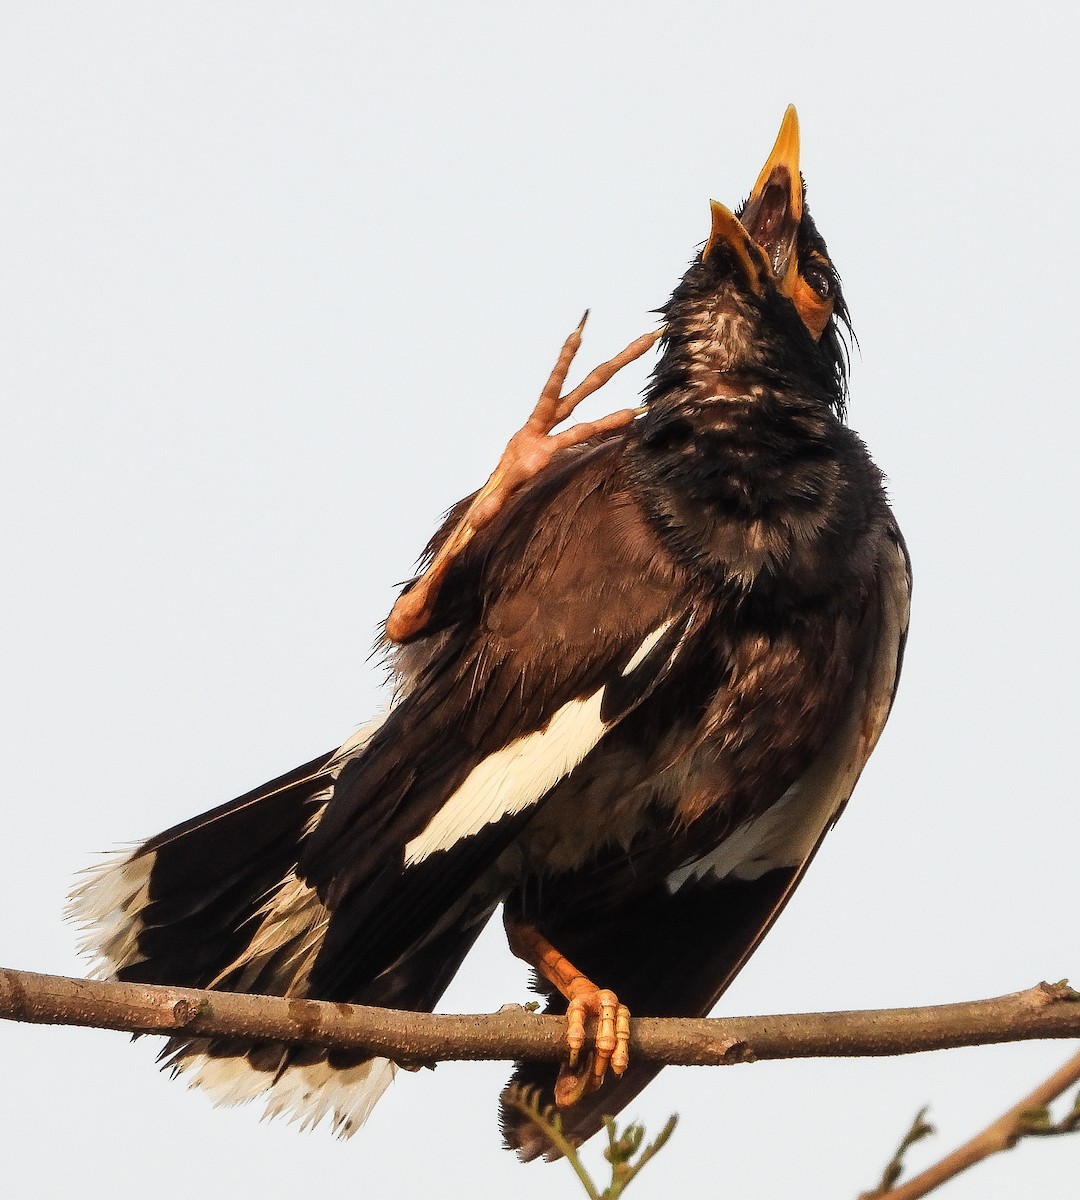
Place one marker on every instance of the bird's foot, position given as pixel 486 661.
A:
pixel 611 1043
pixel 585 1002
pixel 527 454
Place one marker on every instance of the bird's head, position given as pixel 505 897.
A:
pixel 762 300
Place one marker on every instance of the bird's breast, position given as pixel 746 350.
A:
pixel 759 492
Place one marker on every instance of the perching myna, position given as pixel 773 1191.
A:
pixel 630 699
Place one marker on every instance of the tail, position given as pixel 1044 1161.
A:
pixel 216 903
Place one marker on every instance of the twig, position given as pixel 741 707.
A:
pixel 622 1145
pixel 549 1121
pixel 1044 1011
pixel 920 1128
pixel 1026 1119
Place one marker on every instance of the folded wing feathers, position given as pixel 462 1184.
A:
pixel 520 774
pixel 511 779
pixel 787 834
pixel 292 921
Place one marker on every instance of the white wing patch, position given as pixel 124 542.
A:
pixel 522 773
pixel 642 652
pixel 513 778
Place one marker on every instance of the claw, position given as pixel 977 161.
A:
pixel 575 1030
pixel 611 1044
pixel 526 455
pixel 620 1060
pixel 571 1085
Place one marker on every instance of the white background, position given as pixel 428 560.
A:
pixel 276 283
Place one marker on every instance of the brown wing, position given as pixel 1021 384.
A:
pixel 652 950
pixel 554 625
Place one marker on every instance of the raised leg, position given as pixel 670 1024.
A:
pixel 527 453
pixel 611 1044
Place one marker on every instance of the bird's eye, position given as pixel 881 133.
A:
pixel 820 279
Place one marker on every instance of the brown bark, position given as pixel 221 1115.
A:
pixel 1043 1011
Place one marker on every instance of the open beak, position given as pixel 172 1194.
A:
pixel 763 238
pixel 772 214
pixel 728 230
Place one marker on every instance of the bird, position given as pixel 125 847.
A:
pixel 631 693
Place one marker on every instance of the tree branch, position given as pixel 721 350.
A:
pixel 1027 1118
pixel 1044 1011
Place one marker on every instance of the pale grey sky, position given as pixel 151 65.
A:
pixel 276 283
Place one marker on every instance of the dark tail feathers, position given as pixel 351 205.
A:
pixel 216 903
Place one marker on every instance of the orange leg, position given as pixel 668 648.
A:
pixel 611 1045
pixel 528 452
